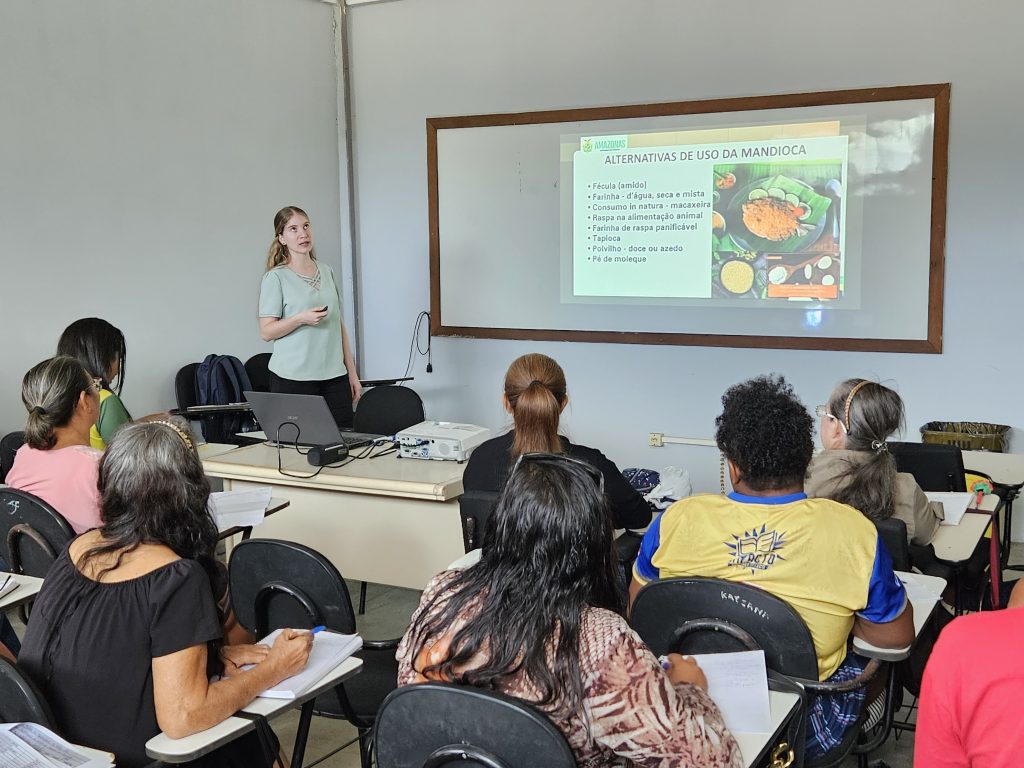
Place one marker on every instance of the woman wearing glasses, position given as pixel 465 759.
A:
pixel 856 467
pixel 547 629
pixel 535 395
pixel 56 463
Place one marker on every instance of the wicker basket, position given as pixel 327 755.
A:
pixel 967 435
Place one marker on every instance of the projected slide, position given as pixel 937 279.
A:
pixel 752 213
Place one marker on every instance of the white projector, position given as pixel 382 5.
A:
pixel 440 440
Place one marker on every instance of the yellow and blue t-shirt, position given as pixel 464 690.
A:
pixel 823 558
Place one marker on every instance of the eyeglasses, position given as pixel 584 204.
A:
pixel 823 412
pixel 559 458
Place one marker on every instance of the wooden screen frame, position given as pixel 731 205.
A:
pixel 938 92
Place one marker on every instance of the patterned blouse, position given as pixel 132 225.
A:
pixel 636 716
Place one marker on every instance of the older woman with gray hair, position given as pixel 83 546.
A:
pixel 856 467
pixel 127 615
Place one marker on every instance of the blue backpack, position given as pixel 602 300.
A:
pixel 221 379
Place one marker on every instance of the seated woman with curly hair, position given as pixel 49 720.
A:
pixel 826 559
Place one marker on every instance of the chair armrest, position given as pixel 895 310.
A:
pixel 860 681
pixel 381 645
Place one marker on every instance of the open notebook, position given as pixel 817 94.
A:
pixel 27 745
pixel 329 650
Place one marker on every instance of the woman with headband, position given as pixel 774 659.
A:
pixel 127 617
pixel 855 466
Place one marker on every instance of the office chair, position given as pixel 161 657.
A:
pixel 894 535
pixel 431 725
pixel 694 615
pixel 9 445
pixel 258 369
pixel 32 533
pixel 475 508
pixel 20 699
pixel 935 466
pixel 277 584
pixel 388 409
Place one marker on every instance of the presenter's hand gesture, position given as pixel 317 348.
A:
pixel 290 652
pixel 313 316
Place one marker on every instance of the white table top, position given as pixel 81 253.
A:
pixel 924 592
pixel 162 747
pixel 384 476
pixel 28 587
pixel 754 745
pixel 209 450
pixel 956 543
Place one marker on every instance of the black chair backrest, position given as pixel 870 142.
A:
pixel 716 616
pixel 278 584
pixel 20 700
pixel 9 445
pixel 388 409
pixel 32 533
pixel 475 508
pixel 935 466
pixel 258 369
pixel 185 390
pixel 894 535
pixel 436 724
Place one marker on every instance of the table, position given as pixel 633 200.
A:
pixel 28 587
pixel 162 747
pixel 924 593
pixel 386 520
pixel 754 746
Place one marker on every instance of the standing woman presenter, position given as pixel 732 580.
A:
pixel 300 311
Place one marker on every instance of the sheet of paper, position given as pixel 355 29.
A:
pixel 918 592
pixel 329 650
pixel 738 684
pixel 27 745
pixel 954 505
pixel 239 508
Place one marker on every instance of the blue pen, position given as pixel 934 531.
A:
pixel 665 663
pixel 314 630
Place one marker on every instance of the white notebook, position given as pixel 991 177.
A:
pixel 8 583
pixel 738 684
pixel 239 508
pixel 954 505
pixel 329 650
pixel 27 745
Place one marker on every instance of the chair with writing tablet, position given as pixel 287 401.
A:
pixel 691 615
pixel 9 445
pixel 276 584
pixel 475 509
pixel 438 724
pixel 20 699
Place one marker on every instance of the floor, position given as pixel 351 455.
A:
pixel 388 609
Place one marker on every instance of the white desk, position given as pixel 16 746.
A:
pixel 385 520
pixel 924 593
pixel 28 587
pixel 162 747
pixel 754 746
pixel 956 543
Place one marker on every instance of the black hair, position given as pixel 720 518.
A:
pixel 548 555
pixel 96 344
pixel 766 432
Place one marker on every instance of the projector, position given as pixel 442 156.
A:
pixel 440 440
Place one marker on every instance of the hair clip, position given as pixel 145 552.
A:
pixel 180 432
pixel 879 446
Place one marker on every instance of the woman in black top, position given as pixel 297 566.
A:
pixel 125 632
pixel 535 395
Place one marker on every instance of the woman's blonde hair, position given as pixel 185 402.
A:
pixel 535 389
pixel 278 254
pixel 50 393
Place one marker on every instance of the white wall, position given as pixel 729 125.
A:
pixel 418 58
pixel 144 149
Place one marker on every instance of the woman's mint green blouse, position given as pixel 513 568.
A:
pixel 310 352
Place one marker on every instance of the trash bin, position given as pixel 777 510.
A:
pixel 967 435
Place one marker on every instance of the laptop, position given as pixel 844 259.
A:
pixel 301 420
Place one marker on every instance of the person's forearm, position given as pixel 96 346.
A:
pixel 346 353
pixel 221 700
pixel 272 329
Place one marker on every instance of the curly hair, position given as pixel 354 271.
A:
pixel 766 432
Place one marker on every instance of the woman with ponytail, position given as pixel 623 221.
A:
pixel 856 467
pixel 300 311
pixel 56 463
pixel 535 395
